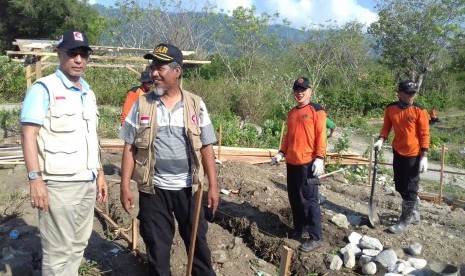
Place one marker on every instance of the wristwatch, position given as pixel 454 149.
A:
pixel 32 175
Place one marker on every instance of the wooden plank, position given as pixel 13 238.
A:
pixel 285 263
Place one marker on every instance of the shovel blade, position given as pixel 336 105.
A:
pixel 373 215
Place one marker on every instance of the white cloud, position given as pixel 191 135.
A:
pixel 301 13
pixel 227 6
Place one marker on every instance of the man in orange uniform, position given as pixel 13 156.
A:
pixel 304 146
pixel 136 92
pixel 410 148
pixel 433 117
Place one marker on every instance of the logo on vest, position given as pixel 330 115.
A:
pixel 194 120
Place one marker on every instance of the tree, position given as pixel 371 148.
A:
pixel 46 19
pixel 144 24
pixel 411 35
pixel 243 40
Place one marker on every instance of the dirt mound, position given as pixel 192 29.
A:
pixel 249 230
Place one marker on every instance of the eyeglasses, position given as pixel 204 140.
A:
pixel 85 54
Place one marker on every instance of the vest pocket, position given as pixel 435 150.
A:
pixel 141 170
pixel 143 137
pixel 63 157
pixel 63 120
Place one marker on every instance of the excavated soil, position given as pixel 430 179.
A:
pixel 248 232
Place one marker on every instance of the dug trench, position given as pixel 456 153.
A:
pixel 258 213
pixel 249 231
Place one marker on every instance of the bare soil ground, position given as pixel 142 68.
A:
pixel 248 232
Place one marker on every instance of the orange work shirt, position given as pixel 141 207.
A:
pixel 131 98
pixel 305 137
pixel 411 128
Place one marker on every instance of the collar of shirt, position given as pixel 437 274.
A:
pixel 85 86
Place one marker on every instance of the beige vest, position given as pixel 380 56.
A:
pixel 67 141
pixel 146 134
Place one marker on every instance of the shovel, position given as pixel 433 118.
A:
pixel 373 214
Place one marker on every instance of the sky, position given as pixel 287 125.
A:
pixel 301 13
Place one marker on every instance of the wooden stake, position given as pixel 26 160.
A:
pixel 285 264
pixel 441 179
pixel 121 232
pixel 28 76
pixel 198 205
pixel 135 233
pixel 281 136
pixel 219 143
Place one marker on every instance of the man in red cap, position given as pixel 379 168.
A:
pixel 59 120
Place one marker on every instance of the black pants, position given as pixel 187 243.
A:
pixel 157 228
pixel 406 175
pixel 302 190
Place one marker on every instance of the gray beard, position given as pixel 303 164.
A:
pixel 159 91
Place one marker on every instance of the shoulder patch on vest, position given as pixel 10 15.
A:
pixel 316 106
pixel 391 104
pixel 418 105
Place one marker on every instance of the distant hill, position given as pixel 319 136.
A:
pixel 282 32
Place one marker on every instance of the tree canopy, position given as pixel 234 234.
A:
pixel 411 35
pixel 46 19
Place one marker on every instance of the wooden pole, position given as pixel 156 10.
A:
pixel 198 205
pixel 281 135
pixel 38 70
pixel 121 232
pixel 285 264
pixel 441 179
pixel 28 76
pixel 219 142
pixel 135 234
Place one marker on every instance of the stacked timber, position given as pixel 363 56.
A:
pixel 252 155
pixel 11 156
pixel 346 159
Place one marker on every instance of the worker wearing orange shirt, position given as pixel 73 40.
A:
pixel 433 116
pixel 410 145
pixel 304 146
pixel 135 92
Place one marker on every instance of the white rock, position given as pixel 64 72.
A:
pixel 417 263
pixel 355 237
pixel 371 252
pixel 387 258
pixel 341 221
pixel 369 268
pixel 349 259
pixel 415 249
pixel 353 247
pixel 335 262
pixel 364 259
pixel 368 242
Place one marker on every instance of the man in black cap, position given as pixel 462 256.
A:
pixel 59 119
pixel 410 145
pixel 304 146
pixel 168 150
pixel 134 93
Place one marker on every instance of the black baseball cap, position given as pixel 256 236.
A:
pixel 408 87
pixel 165 53
pixel 145 76
pixel 72 39
pixel 301 82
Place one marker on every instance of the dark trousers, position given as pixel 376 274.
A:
pixel 406 175
pixel 302 190
pixel 157 226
